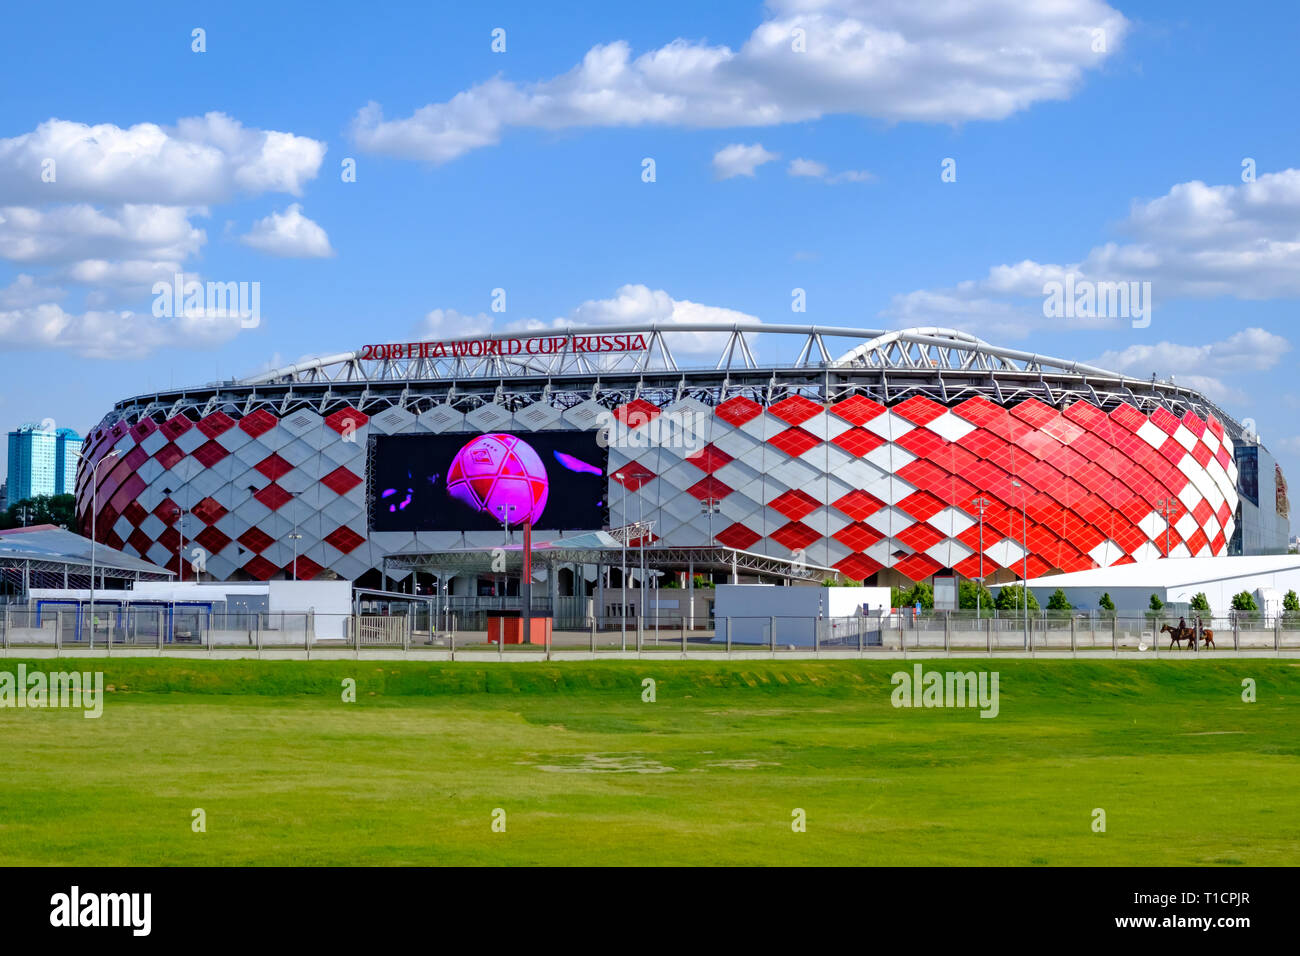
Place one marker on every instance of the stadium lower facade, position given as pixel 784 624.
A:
pixel 892 457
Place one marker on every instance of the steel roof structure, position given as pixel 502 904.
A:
pixel 763 361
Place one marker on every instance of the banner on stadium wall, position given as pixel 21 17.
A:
pixel 535 345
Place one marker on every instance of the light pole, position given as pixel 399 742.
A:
pixel 623 579
pixel 504 512
pixel 94 512
pixel 1168 507
pixel 180 514
pixel 1024 535
pixel 295 537
pixel 981 504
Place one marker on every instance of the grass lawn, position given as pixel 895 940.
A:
pixel 288 773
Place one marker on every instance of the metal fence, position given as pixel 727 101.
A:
pixel 179 628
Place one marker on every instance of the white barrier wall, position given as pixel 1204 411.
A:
pixel 751 608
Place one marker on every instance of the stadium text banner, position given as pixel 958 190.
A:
pixel 538 345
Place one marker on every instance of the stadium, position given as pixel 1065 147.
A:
pixel 887 456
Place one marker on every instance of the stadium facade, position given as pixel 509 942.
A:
pixel 872 452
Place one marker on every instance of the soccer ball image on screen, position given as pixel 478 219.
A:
pixel 501 475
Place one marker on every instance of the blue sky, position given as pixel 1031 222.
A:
pixel 533 184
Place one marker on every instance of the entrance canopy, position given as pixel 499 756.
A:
pixel 602 548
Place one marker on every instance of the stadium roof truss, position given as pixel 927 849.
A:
pixel 751 359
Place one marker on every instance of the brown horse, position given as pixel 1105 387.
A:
pixel 1179 634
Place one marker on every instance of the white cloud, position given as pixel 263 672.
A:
pixel 1203 367
pixel 740 160
pixel 289 235
pixel 64 234
pixel 630 305
pixel 26 291
pixel 807 167
pixel 812 169
pixel 896 60
pixel 107 334
pixel 200 161
pixel 448 324
pixel 1196 241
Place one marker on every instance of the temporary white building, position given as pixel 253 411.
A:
pixel 1176 581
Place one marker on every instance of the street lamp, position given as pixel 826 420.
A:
pixel 1168 507
pixel 1024 535
pixel 295 537
pixel 504 512
pixel 623 580
pixel 94 512
pixel 980 504
pixel 180 514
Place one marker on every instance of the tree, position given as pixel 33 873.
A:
pixel 1106 604
pixel 1058 601
pixel 1291 603
pixel 1011 597
pixel 1156 603
pixel 971 594
pixel 1201 604
pixel 59 510
pixel 1244 601
pixel 919 593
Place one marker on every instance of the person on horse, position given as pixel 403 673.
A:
pixel 1182 625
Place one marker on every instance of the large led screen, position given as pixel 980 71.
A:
pixel 476 482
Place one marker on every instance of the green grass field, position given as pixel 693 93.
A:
pixel 288 773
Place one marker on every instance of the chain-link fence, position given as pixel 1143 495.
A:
pixel 179 628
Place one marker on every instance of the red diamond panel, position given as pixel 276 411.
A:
pixel 794 410
pixel 794 441
pixel 637 412
pixel 633 475
pixel 212 539
pixel 795 536
pixel 918 567
pixel 256 540
pixel 209 510
pixel 273 466
pixel 795 504
pixel 258 423
pixel 709 487
pixel 858 441
pixel 273 496
pixel 346 420
pixel 176 426
pixel 858 504
pixel 340 481
pixel 921 505
pixel 209 453
pixel 919 410
pixel 858 410
pixel 709 458
pixel 218 423
pixel 737 536
pixel 305 570
pixel 261 569
pixel 858 567
pixel 168 455
pixel 344 539
pixel 736 411
pixel 920 536
pixel 140 542
pixel 858 536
